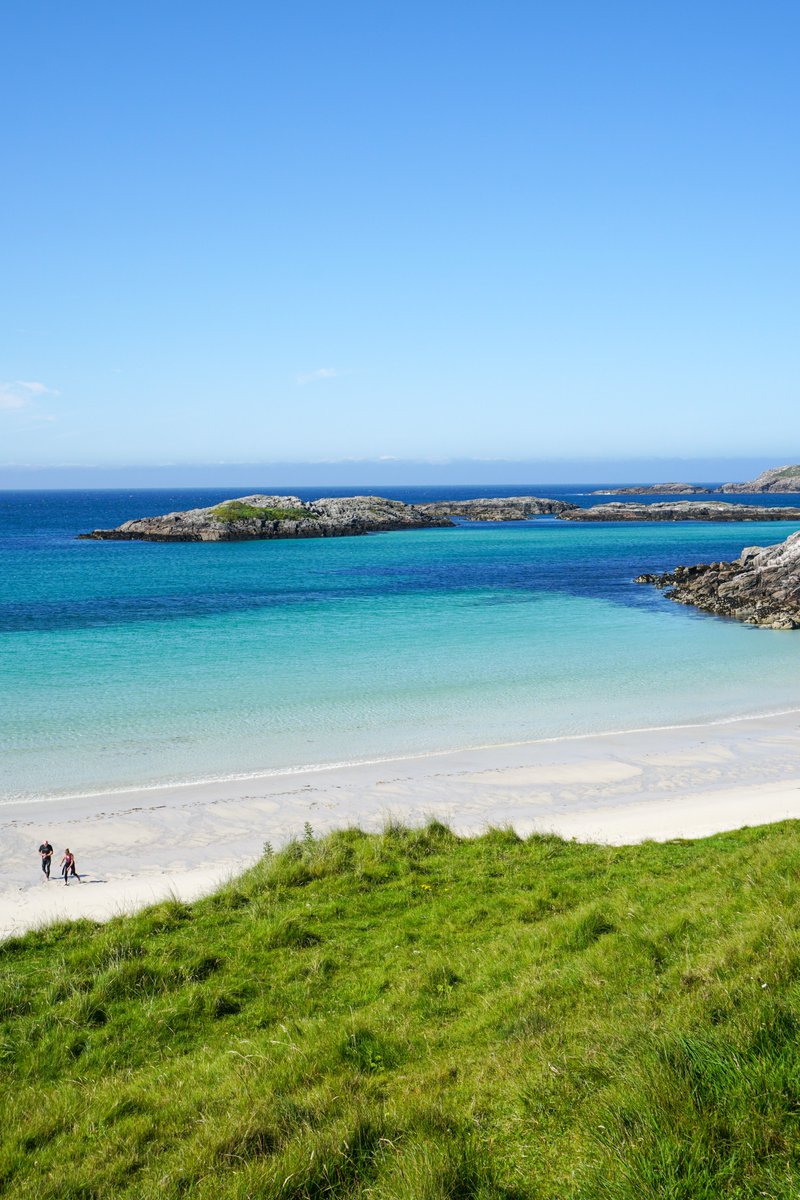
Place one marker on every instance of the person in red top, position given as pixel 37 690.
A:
pixel 68 866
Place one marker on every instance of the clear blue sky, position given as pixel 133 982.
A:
pixel 258 232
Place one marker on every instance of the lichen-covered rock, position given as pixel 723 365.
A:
pixel 681 510
pixel 259 517
pixel 760 587
pixel 504 508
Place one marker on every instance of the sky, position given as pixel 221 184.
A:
pixel 428 232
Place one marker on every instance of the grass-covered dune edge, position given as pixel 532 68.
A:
pixel 415 1016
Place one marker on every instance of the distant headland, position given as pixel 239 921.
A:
pixel 776 479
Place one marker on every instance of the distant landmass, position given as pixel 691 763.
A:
pixel 653 489
pixel 776 479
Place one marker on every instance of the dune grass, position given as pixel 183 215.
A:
pixel 411 1016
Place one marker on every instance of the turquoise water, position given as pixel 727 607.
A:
pixel 129 664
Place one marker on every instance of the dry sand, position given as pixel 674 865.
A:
pixel 134 848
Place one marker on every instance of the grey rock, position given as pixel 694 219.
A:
pixel 760 587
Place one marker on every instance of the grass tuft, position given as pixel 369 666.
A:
pixel 291 933
pixel 233 511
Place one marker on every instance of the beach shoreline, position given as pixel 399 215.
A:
pixel 174 786
pixel 138 847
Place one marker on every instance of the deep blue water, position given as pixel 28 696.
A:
pixel 127 663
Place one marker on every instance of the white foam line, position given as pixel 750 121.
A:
pixel 313 768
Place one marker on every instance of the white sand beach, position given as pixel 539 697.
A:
pixel 134 848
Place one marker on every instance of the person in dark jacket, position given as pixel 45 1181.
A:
pixel 46 853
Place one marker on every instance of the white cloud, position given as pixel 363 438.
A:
pixel 22 392
pixel 10 399
pixel 36 389
pixel 320 373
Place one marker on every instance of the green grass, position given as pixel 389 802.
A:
pixel 233 511
pixel 410 1016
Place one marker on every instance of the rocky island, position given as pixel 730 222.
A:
pixel 655 489
pixel 259 517
pixel 760 587
pixel 508 508
pixel 681 510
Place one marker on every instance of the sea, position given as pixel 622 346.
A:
pixel 129 665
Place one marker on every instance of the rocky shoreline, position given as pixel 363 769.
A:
pixel 760 587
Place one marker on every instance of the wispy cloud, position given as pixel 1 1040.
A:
pixel 21 393
pixel 320 373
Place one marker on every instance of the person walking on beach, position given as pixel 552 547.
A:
pixel 46 852
pixel 68 866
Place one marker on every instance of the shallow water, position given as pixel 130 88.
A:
pixel 126 664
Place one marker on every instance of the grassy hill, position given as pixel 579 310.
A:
pixel 410 1016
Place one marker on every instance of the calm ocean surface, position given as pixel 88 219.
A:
pixel 126 664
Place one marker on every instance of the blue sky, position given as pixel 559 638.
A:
pixel 251 232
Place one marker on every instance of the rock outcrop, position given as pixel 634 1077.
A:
pixel 251 518
pixel 504 508
pixel 776 479
pixel 681 510
pixel 760 587
pixel 655 489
